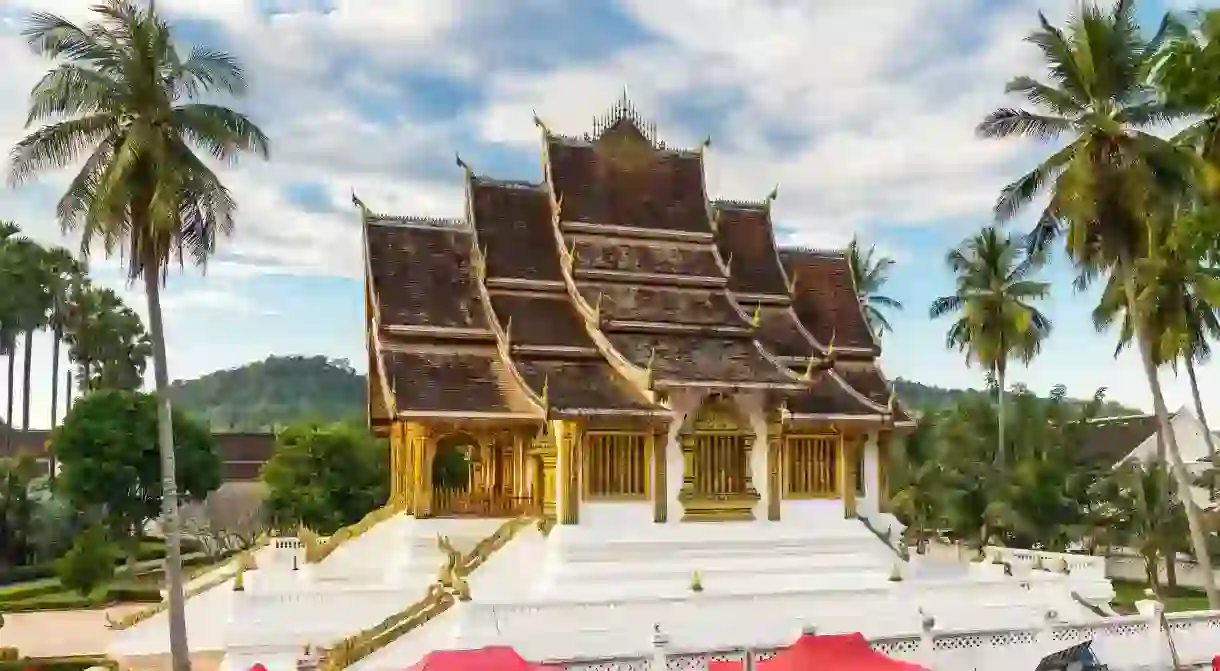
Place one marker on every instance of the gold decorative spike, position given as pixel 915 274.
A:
pixel 364 210
pixel 707 142
pixel 808 369
pixel 597 308
pixel 757 315
pixel 830 349
pixel 508 332
pixel 239 580
pixel 696 583
pixel 538 122
pixel 546 391
pixel 773 195
pixel 652 356
pixel 892 400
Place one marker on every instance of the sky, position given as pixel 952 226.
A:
pixel 862 111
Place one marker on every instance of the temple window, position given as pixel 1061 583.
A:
pixel 616 465
pixel 811 467
pixel 721 464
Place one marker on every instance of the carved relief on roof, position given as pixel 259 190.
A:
pixel 718 413
pixel 645 258
pixel 620 302
pixel 698 358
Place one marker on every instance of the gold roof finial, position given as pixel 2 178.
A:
pixel 364 210
pixel 239 579
pixel 889 404
pixel 546 389
pixel 597 308
pixel 508 331
pixel 773 195
pixel 652 356
pixel 809 369
pixel 830 349
pixel 757 314
pixel 707 142
pixel 539 123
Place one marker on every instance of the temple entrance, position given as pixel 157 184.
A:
pixel 470 478
pixel 716 447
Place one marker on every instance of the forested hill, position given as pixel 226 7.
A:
pixel 278 391
pixel 283 390
pixel 927 397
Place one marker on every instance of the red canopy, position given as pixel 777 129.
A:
pixel 483 659
pixel 843 652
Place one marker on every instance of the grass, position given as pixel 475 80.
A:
pixel 1177 599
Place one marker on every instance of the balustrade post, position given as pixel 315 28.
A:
pixel 927 640
pixel 660 654
pixel 1157 638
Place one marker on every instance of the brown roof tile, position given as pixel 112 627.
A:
pixel 448 382
pixel 747 243
pixel 651 189
pixel 580 384
pixel 780 332
pixel 422 276
pixel 869 381
pixel 514 225
pixel 593 254
pixel 696 358
pixel 825 298
pixel 826 396
pixel 541 320
pixel 669 305
pixel 31 442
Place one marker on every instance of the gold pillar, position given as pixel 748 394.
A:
pixel 659 451
pixel 420 448
pixel 848 445
pixel 883 471
pixel 546 453
pixel 775 447
pixel 569 472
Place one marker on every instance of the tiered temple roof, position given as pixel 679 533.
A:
pixel 599 290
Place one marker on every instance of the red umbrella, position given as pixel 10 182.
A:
pixel 483 659
pixel 843 652
pixel 258 667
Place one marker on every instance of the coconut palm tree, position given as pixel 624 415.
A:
pixel 870 272
pixel 124 99
pixel 994 296
pixel 1110 173
pixel 25 307
pixel 9 236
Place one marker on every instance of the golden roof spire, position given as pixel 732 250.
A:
pixel 830 349
pixel 773 195
pixel 757 314
pixel 809 369
pixel 652 355
pixel 462 164
pixel 546 391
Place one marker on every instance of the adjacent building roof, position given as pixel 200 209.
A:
pixel 588 292
pixel 1111 439
pixel 824 296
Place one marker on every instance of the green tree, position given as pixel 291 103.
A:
pixel 106 340
pixel 24 307
pixel 107 450
pixel 1145 513
pixel 325 476
pixel 1109 174
pixel 920 482
pixel 16 511
pixel 123 98
pixel 89 564
pixel 870 272
pixel 994 296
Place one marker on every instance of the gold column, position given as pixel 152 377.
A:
pixel 569 472
pixel 546 452
pixel 398 469
pixel 883 471
pixel 659 438
pixel 775 446
pixel 420 447
pixel 847 474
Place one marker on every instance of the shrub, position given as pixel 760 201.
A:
pixel 17 574
pixel 133 594
pixel 88 564
pixel 29 591
pixel 57 664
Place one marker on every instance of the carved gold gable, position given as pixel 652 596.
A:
pixel 718 414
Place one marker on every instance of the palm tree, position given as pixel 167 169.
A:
pixel 121 97
pixel 998 320
pixel 9 236
pixel 1180 295
pixel 25 309
pixel 870 274
pixel 65 275
pixel 1110 173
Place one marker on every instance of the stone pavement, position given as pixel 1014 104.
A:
pixel 56 633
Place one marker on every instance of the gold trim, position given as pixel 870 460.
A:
pixel 658 450
pixel 787 482
pixel 589 465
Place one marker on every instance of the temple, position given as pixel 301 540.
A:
pixel 618 416
pixel 607 344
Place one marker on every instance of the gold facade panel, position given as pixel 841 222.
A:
pixel 811 467
pixel 616 466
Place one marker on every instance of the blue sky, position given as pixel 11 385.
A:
pixel 861 110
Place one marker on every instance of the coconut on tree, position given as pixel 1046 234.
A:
pixel 124 103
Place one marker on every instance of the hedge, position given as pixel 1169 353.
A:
pixel 57 664
pixel 62 599
pixel 20 574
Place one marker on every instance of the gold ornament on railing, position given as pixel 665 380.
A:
pixel 696 583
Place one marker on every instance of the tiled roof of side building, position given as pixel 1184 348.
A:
pixel 581 384
pixel 642 257
pixel 825 298
pixel 620 179
pixel 1111 439
pixel 421 276
pixel 780 332
pixel 669 305
pixel 682 359
pixel 440 381
pixel 514 226
pixel 867 380
pixel 746 241
pixel 826 396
